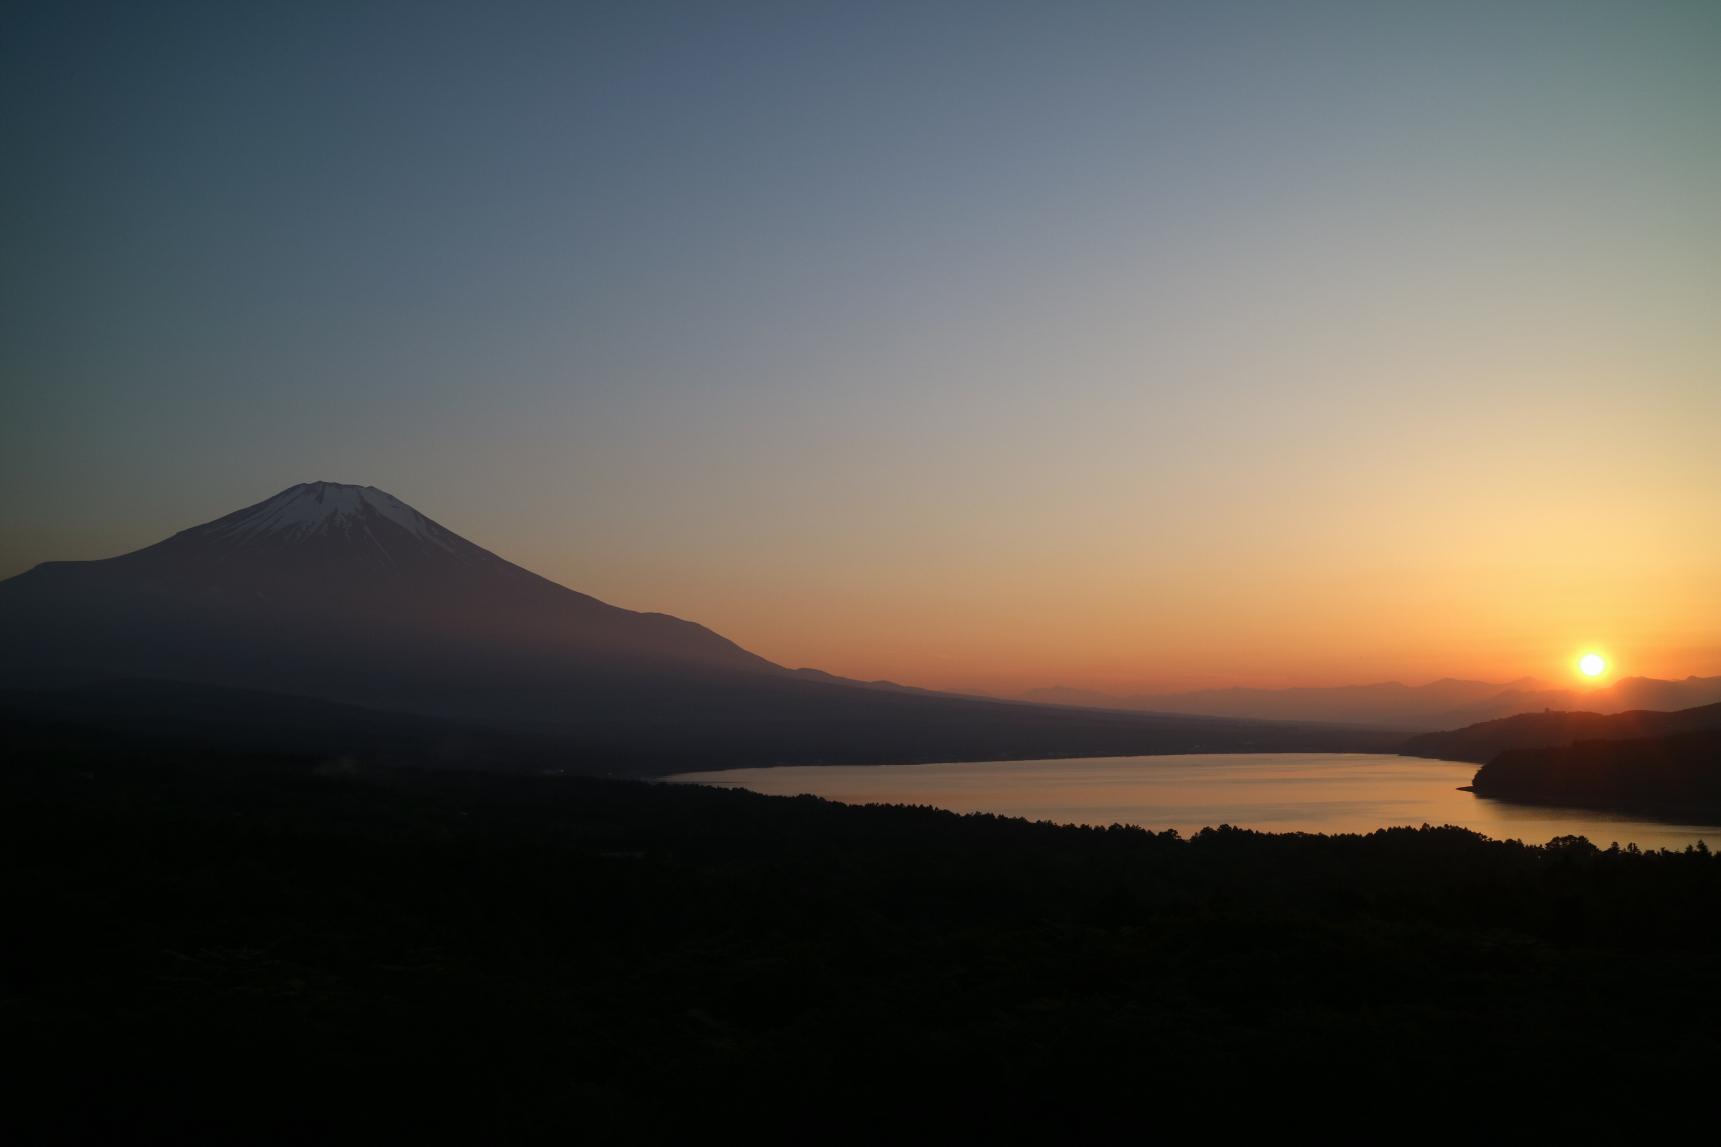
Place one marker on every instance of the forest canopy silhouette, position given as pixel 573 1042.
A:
pixel 411 953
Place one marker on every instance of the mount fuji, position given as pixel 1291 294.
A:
pixel 313 588
pixel 344 593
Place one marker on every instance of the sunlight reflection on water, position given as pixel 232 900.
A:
pixel 1273 792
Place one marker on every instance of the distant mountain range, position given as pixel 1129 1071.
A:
pixel 344 594
pixel 1443 704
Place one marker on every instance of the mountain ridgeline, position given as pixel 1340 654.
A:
pixel 1660 764
pixel 339 593
pixel 1484 741
pixel 1445 704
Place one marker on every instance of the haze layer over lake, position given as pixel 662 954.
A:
pixel 1271 792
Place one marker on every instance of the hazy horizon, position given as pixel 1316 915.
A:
pixel 977 347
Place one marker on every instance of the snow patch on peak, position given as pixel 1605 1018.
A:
pixel 314 507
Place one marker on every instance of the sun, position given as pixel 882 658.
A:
pixel 1592 665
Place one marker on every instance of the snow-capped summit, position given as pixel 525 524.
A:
pixel 330 581
pixel 318 507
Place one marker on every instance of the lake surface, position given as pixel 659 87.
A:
pixel 1272 792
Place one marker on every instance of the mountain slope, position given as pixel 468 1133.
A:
pixel 712 723
pixel 319 567
pixel 343 593
pixel 158 721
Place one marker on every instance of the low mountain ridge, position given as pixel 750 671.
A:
pixel 1388 703
pixel 1449 703
pixel 1622 696
pixel 1484 741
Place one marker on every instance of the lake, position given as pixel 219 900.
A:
pixel 1272 792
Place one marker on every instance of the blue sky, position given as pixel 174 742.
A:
pixel 905 339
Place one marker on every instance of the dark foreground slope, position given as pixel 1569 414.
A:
pixel 1679 774
pixel 709 724
pixel 1482 742
pixel 241 949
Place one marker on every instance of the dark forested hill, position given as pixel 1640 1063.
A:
pixel 1483 741
pixel 242 948
pixel 1679 773
pixel 699 724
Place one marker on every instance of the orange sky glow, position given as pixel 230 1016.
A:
pixel 1123 348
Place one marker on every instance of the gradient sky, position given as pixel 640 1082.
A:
pixel 982 346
